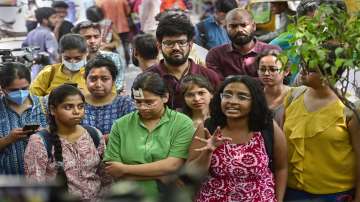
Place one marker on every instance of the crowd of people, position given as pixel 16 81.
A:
pixel 234 119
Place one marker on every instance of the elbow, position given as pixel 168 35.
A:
pixel 173 166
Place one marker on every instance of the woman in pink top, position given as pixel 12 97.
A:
pixel 75 154
pixel 237 157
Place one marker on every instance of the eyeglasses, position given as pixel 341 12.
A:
pixel 271 70
pixel 238 96
pixel 149 104
pixel 171 44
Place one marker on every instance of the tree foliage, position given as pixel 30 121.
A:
pixel 330 43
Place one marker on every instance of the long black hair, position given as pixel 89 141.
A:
pixel 260 116
pixel 56 97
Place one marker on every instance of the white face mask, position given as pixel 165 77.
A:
pixel 74 67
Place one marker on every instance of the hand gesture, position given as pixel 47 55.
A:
pixel 212 141
pixel 115 169
pixel 17 134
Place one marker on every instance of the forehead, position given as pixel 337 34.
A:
pixel 18 83
pixel 241 17
pixel 73 99
pixel 269 59
pixel 60 9
pixel 100 71
pixel 237 87
pixel 148 95
pixel 195 88
pixel 174 38
pixel 89 31
pixel 72 53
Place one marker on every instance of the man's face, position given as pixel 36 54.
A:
pixel 240 28
pixel 175 49
pixel 61 12
pixel 51 21
pixel 93 38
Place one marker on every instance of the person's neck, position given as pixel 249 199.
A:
pixel 177 71
pixel 274 91
pixel 200 114
pixel 20 108
pixel 100 101
pixel 66 131
pixel 238 124
pixel 246 47
pixel 92 55
pixel 144 64
pixel 321 92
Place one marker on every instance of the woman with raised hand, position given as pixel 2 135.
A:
pixel 67 150
pixel 245 157
pixel 152 142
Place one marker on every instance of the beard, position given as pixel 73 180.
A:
pixel 240 39
pixel 175 61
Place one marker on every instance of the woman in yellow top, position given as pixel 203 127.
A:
pixel 323 144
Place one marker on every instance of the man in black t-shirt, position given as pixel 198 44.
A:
pixel 63 26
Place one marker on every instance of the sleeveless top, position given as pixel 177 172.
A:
pixel 239 172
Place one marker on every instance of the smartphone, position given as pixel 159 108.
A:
pixel 31 128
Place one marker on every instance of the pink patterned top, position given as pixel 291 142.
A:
pixel 82 163
pixel 239 172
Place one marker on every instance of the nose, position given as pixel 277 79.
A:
pixel 267 72
pixel 197 97
pixel 176 46
pixel 76 111
pixel 92 40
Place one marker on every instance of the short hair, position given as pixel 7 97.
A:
pixel 175 25
pixel 94 14
pixel 225 5
pixel 145 46
pixel 85 25
pixel 101 61
pixel 151 82
pixel 72 41
pixel 59 4
pixel 9 71
pixel 44 13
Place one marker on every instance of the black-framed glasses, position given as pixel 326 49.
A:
pixel 171 43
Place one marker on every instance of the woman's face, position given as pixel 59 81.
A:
pixel 150 105
pixel 197 98
pixel 70 112
pixel 17 84
pixel 99 82
pixel 236 101
pixel 310 77
pixel 73 55
pixel 270 72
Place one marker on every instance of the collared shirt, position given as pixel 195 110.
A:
pixel 117 11
pixel 103 117
pixel 130 142
pixel 43 38
pixel 11 157
pixel 120 66
pixel 226 60
pixel 42 85
pixel 215 34
pixel 176 100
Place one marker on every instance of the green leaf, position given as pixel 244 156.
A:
pixel 338 51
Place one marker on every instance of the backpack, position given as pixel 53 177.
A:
pixel 45 136
pixel 203 36
pixel 267 134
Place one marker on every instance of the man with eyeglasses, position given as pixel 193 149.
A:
pixel 238 57
pixel 92 33
pixel 175 39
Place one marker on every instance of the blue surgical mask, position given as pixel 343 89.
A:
pixel 18 96
pixel 74 67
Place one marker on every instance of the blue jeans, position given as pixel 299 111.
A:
pixel 293 195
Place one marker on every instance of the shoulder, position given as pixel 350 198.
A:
pixel 126 119
pixel 178 117
pixel 219 50
pixel 264 46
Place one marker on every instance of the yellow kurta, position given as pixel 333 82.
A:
pixel 321 158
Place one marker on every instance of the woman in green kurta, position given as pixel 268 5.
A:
pixel 149 144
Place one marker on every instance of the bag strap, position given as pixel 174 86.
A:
pixel 294 94
pixel 45 136
pixel 268 136
pixel 94 134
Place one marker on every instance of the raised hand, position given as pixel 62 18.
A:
pixel 212 141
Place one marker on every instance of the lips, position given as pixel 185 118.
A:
pixel 198 105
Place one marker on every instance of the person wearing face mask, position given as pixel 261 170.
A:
pixel 73 51
pixel 17 109
pixel 238 57
pixel 43 36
